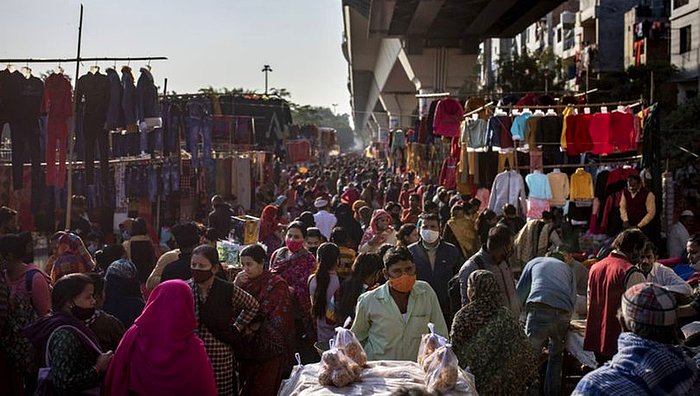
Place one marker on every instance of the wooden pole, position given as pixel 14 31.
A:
pixel 69 188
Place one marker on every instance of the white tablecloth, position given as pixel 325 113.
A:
pixel 381 378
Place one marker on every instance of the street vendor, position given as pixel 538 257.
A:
pixel 390 320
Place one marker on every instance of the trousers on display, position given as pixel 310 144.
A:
pixel 56 140
pixel 25 136
pixel 94 132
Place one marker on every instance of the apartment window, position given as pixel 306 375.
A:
pixel 679 3
pixel 685 39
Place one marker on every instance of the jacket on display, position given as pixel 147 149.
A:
pixel 30 93
pixel 93 89
pixel 581 185
pixel 538 185
pixel 58 96
pixel 115 118
pixel 128 96
pixel 448 118
pixel 146 96
pixel 508 187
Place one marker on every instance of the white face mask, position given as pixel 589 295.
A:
pixel 429 236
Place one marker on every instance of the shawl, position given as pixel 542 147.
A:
pixel 39 331
pixel 532 241
pixel 487 339
pixel 465 233
pixel 484 303
pixel 69 243
pixel 160 354
pixel 372 230
pixel 277 328
pixel 268 222
pixel 295 269
pixel 123 268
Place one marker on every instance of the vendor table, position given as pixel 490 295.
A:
pixel 381 378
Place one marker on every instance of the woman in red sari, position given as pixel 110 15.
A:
pixel 295 264
pixel 268 234
pixel 261 368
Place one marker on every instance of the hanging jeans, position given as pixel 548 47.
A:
pixel 25 136
pixel 94 132
pixel 56 140
pixel 197 127
pixel 173 120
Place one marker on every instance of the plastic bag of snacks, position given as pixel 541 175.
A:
pixel 442 370
pixel 337 369
pixel 346 341
pixel 429 343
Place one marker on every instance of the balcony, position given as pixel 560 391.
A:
pixel 588 10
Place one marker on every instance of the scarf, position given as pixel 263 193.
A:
pixel 372 231
pixel 39 331
pixel 485 302
pixel 268 222
pixel 160 354
pixel 122 268
pixel 465 233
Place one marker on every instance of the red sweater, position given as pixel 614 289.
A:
pixel 582 139
pixel 448 118
pixel 623 135
pixel 600 133
pixel 606 285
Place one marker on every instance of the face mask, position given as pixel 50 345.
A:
pixel 201 276
pixel 313 250
pixel 82 313
pixel 403 284
pixel 429 236
pixel 294 245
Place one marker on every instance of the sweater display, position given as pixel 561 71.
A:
pixel 448 118
pixel 559 184
pixel 508 188
pixel 581 185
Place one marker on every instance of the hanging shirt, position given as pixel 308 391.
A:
pixel 519 128
pixel 532 125
pixel 582 137
pixel 448 117
pixel 508 187
pixel 477 133
pixel 559 183
pixel 566 113
pixel 581 185
pixel 623 132
pixel 600 131
pixel 538 185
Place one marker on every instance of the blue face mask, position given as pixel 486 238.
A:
pixel 125 235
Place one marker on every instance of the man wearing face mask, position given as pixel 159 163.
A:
pixel 607 282
pixel 314 238
pixel 384 324
pixel 494 257
pixel 436 261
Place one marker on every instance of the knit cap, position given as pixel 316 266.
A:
pixel 650 304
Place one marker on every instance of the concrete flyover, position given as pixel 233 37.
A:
pixel 398 48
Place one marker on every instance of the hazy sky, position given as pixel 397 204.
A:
pixel 221 43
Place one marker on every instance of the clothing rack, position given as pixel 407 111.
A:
pixel 433 95
pixel 478 109
pixel 62 60
pixel 616 162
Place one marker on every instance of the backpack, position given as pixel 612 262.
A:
pixel 455 289
pixel 45 386
pixel 21 312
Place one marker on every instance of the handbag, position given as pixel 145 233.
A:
pixel 45 385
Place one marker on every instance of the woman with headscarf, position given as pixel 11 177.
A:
pixel 294 263
pixel 122 292
pixel 378 233
pixel 268 234
pixel 461 232
pixel 487 339
pixel 139 249
pixel 307 219
pixel 261 368
pixel 70 259
pixel 346 220
pixel 160 354
pixel 74 355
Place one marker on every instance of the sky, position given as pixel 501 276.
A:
pixel 222 43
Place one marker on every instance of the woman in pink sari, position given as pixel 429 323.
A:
pixel 380 232
pixel 160 354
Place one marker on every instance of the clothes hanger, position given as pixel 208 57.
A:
pixel 551 112
pixel 58 69
pixel 94 69
pixel 11 67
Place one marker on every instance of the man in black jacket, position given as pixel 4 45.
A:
pixel 220 217
pixel 187 238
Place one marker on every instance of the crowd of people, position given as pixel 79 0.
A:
pixel 355 245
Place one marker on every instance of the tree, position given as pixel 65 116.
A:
pixel 680 131
pixel 530 72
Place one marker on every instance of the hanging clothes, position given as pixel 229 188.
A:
pixel 581 185
pixel 128 102
pixel 476 132
pixel 623 133
pixel 519 128
pixel 538 185
pixel 583 141
pixel 448 117
pixel 559 184
pixel 58 104
pixel 499 131
pixel 600 131
pixel 532 127
pixel 565 114
pixel 508 187
pixel 448 173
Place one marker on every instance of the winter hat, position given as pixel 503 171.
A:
pixel 650 304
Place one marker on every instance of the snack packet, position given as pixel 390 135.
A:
pixel 346 341
pixel 337 369
pixel 429 343
pixel 443 371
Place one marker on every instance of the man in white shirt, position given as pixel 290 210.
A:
pixel 661 274
pixel 325 221
pixel 678 234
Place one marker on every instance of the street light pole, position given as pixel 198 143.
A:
pixel 266 69
pixel 335 105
